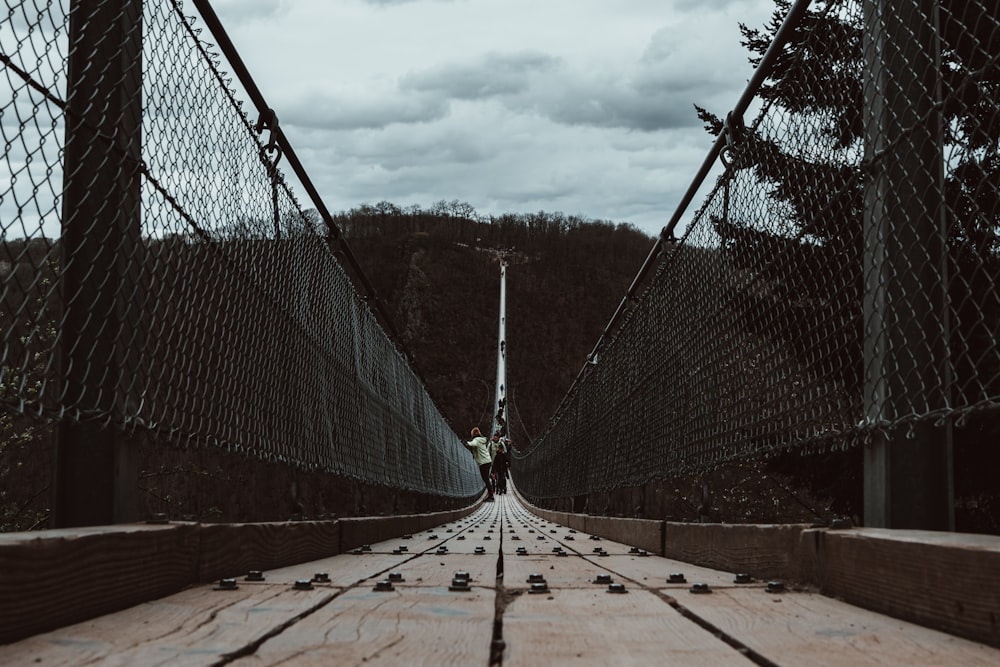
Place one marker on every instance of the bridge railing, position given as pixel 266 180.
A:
pixel 160 278
pixel 838 285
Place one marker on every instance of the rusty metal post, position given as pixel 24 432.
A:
pixel 908 468
pixel 95 469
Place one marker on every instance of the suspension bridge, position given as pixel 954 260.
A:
pixel 836 290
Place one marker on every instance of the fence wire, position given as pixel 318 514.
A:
pixel 159 275
pixel 839 281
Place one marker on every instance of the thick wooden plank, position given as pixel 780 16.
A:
pixel 766 551
pixel 57 577
pixel 805 629
pixel 230 550
pixel 594 627
pixel 407 626
pixel 195 627
pixel 947 581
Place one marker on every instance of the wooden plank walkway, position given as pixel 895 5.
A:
pixel 500 586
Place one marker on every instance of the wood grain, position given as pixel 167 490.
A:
pixel 811 629
pixel 943 580
pixel 198 626
pixel 57 577
pixel 411 625
pixel 593 627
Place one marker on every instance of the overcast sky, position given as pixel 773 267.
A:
pixel 579 106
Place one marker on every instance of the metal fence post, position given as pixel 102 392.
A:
pixel 908 470
pixel 96 469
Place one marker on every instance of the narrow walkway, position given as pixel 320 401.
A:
pixel 499 587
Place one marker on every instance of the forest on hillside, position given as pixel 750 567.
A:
pixel 437 272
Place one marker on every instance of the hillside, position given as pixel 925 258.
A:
pixel 437 272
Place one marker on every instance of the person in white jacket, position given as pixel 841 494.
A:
pixel 482 452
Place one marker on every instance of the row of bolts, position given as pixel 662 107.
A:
pixel 460 582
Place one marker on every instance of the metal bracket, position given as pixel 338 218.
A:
pixel 268 120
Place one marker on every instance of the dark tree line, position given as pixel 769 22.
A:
pixel 438 271
pixel 819 76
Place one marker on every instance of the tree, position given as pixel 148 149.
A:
pixel 804 258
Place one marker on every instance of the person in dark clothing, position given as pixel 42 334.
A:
pixel 501 466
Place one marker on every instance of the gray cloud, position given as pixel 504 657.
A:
pixel 245 11
pixel 392 3
pixel 323 110
pixel 492 75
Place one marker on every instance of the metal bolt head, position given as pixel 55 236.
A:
pixel 676 578
pixel 743 578
pixel 602 579
pixel 535 578
pixel 539 587
pixel 634 550
pixel 700 588
pixel 396 576
pixel 617 588
pixel 383 586
pixel 775 587
pixel 303 585
pixel 254 575
pixel 480 550
pixel 462 574
pixel 459 585
pixel 226 585
pixel 321 578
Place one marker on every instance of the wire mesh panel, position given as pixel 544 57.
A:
pixel 159 275
pixel 839 281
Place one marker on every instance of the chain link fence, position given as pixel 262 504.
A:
pixel 838 283
pixel 159 275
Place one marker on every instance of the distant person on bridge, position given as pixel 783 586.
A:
pixel 482 451
pixel 501 464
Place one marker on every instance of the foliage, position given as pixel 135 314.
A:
pixel 818 80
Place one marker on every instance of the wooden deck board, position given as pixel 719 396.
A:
pixel 798 628
pixel 408 626
pixel 195 627
pixel 422 622
pixel 581 627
